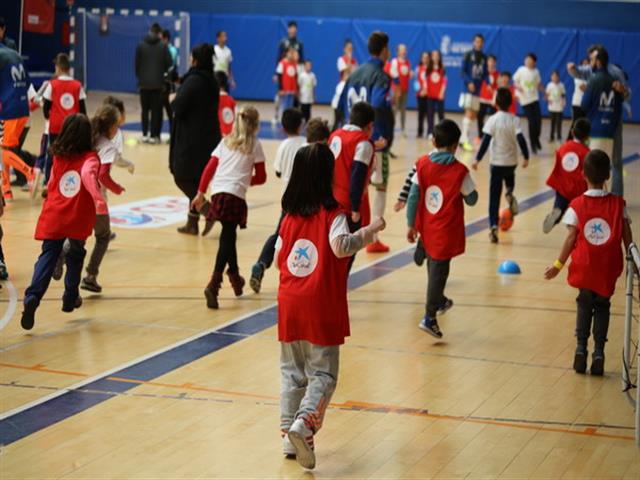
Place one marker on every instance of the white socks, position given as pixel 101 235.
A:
pixel 379 203
pixel 466 124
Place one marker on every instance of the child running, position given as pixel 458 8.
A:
pixel 313 252
pixel 236 164
pixel 567 177
pixel 502 131
pixel 597 224
pixel 435 212
pixel 69 213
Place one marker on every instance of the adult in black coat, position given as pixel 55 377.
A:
pixel 195 131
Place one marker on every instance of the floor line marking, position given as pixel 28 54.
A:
pixel 13 302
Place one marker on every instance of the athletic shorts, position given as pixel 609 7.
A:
pixel 469 101
pixel 13 131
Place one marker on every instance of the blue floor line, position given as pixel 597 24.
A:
pixel 267 130
pixel 73 402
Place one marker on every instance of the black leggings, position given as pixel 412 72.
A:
pixel 486 109
pixel 534 117
pixel 227 253
pixel 556 125
pixel 422 114
pixel 190 189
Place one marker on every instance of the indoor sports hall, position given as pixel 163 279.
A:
pixel 146 379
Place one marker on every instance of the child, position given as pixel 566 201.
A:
pixel 436 89
pixel 338 115
pixel 69 213
pixel 435 211
pixel 488 91
pixel 566 177
pixel 556 95
pixel 579 86
pixel 226 106
pixel 597 224
pixel 527 81
pixel 118 140
pixel 307 83
pixel 317 131
pixel 313 253
pixel 104 126
pixel 502 131
pixel 421 94
pixel 400 72
pixel 347 62
pixel 504 81
pixel 283 164
pixel 232 163
pixel 287 71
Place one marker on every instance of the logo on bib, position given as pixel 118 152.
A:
pixel 291 71
pixel 433 199
pixel 435 77
pixel 570 162
pixel 70 184
pixel 227 115
pixel 404 70
pixel 336 146
pixel 67 101
pixel 303 259
pixel 597 231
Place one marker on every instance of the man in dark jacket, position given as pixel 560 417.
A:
pixel 153 60
pixel 8 42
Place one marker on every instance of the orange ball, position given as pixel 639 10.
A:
pixel 506 219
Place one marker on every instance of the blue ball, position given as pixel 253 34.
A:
pixel 509 267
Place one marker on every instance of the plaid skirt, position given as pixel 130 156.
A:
pixel 226 207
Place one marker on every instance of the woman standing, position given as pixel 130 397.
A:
pixel 196 129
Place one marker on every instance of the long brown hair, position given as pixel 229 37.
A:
pixel 75 137
pixel 103 120
pixel 433 64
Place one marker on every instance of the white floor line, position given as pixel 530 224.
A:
pixel 13 302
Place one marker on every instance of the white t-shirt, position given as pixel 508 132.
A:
pixel 307 82
pixel 576 99
pixel 556 96
pixel 285 155
pixel 336 96
pixel 235 169
pixel 504 128
pixel 222 59
pixel 107 150
pixel 528 79
pixel 118 141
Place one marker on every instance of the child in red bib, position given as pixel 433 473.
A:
pixel 400 72
pixel 226 107
pixel 436 88
pixel 597 224
pixel 504 81
pixel 435 212
pixel 488 90
pixel 312 253
pixel 567 177
pixel 68 213
pixel 287 75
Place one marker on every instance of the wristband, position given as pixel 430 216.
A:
pixel 558 264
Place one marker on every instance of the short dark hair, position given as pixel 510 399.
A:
pixel 505 73
pixel 203 55
pixel 115 102
pixel 378 41
pixel 478 35
pixel 581 129
pixel 317 130
pixel 292 23
pixel 291 120
pixel 603 56
pixel 166 34
pixel 532 56
pixel 156 29
pixel 362 114
pixel 74 138
pixel 347 41
pixel 219 33
pixel 3 24
pixel 596 167
pixel 446 134
pixel 555 72
pixel 504 98
pixel 62 62
pixel 310 187
pixel 491 55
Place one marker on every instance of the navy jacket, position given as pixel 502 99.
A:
pixel 602 104
pixel 14 84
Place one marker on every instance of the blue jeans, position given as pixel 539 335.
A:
pixel 269 248
pixel 499 174
pixel 286 101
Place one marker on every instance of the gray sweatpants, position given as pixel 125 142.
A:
pixel 102 231
pixel 309 376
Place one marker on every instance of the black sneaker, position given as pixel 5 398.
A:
pixel 69 305
pixel 4 274
pixel 57 271
pixel 29 312
pixel 448 303
pixel 513 203
pixel 91 284
pixel 580 360
pixel 419 254
pixel 493 235
pixel 112 236
pixel 430 325
pixel 257 273
pixel 597 364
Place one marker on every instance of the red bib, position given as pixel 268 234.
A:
pixel 488 89
pixel 226 113
pixel 289 72
pixel 68 211
pixel 404 73
pixel 343 145
pixel 440 215
pixel 350 61
pixel 421 73
pixel 65 100
pixel 312 297
pixel 597 260
pixel 567 177
pixel 437 81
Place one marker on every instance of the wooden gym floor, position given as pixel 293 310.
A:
pixel 145 382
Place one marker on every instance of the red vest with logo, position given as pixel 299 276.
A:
pixel 69 210
pixel 440 214
pixel 488 89
pixel 597 260
pixel 289 76
pixel 65 100
pixel 226 113
pixel 436 81
pixel 343 144
pixel 404 73
pixel 312 297
pixel 421 74
pixel 567 176
pixel 350 61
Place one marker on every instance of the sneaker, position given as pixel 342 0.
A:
pixel 29 312
pixel 145 139
pixel 257 273
pixel 44 192
pixel 112 236
pixel 154 141
pixel 377 247
pixel 446 306
pixel 392 155
pixel 288 450
pixel 91 284
pixel 493 234
pixel 8 196
pixel 419 254
pixel 580 360
pixel 57 270
pixel 4 274
pixel 513 203
pixel 467 147
pixel 430 325
pixel 70 305
pixel 301 437
pixel 597 363
pixel 551 220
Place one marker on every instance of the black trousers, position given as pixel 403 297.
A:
pixel 227 253
pixel 166 104
pixel 486 109
pixel 306 111
pixel 48 159
pixel 534 118
pixel 190 189
pixel 338 119
pixel 434 106
pixel 151 103
pixel 498 175
pixel 556 125
pixel 422 114
pixel 269 248
pixel 592 308
pixel 576 113
pixel 437 274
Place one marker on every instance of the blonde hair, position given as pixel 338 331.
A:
pixel 245 128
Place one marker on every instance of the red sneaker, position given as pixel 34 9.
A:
pixel 377 247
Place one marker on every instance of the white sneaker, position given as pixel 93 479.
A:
pixel 287 447
pixel 145 139
pixel 551 219
pixel 302 439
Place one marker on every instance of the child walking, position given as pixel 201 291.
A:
pixel 435 212
pixel 236 164
pixel 567 177
pixel 527 81
pixel 502 132
pixel 307 83
pixel 556 98
pixel 313 253
pixel 597 224
pixel 69 213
